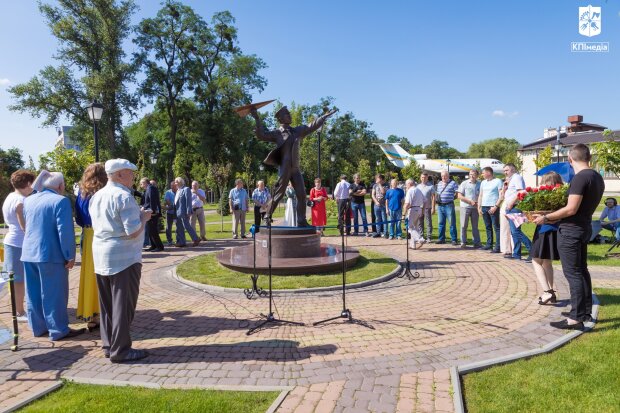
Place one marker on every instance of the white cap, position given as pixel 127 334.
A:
pixel 114 165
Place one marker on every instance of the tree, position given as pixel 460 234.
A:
pixel 91 66
pixel 10 161
pixel 166 44
pixel 68 161
pixel 544 157
pixel 607 154
pixel 441 150
pixel 515 159
pixel 411 171
pixel 363 169
pixel 503 149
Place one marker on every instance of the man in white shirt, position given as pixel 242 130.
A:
pixel 468 196
pixel 515 185
pixel 414 202
pixel 341 195
pixel 198 213
pixel 118 224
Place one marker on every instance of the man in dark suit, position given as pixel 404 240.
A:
pixel 286 157
pixel 151 201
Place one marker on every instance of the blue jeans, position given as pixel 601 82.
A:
pixel 518 236
pixel 47 296
pixel 395 228
pixel 361 208
pixel 446 212
pixel 491 223
pixel 380 218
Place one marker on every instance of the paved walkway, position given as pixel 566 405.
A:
pixel 466 306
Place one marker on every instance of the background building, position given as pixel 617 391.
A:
pixel 64 138
pixel 577 132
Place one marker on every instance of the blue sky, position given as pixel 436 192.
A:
pixel 452 70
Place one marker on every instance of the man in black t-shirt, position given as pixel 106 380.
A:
pixel 584 194
pixel 357 190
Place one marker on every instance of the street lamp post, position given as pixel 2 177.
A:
pixel 95 111
pixel 558 144
pixel 332 158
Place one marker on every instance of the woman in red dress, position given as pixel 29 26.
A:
pixel 318 195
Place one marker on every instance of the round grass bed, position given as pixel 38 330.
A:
pixel 207 270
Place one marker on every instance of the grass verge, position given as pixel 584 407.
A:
pixel 207 270
pixel 583 376
pixel 74 397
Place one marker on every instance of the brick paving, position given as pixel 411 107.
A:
pixel 466 306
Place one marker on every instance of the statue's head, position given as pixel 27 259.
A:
pixel 283 116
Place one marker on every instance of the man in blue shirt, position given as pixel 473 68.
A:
pixel 488 207
pixel 239 203
pixel 393 207
pixel 446 190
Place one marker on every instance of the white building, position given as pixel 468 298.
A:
pixel 64 138
pixel 576 132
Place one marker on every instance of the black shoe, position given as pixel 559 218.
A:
pixel 477 246
pixel 376 235
pixel 441 242
pixel 487 247
pixel 528 259
pixel 495 251
pixel 132 355
pixel 563 325
pixel 158 250
pixel 587 319
pixel 510 257
pixel 73 333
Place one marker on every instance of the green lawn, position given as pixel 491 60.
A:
pixel 583 376
pixel 207 270
pixel 78 398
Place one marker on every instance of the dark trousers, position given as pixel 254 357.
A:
pixel 118 297
pixel 491 223
pixel 258 218
pixel 373 217
pixel 153 225
pixel 170 219
pixel 343 216
pixel 573 249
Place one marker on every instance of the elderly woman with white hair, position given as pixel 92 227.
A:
pixel 48 254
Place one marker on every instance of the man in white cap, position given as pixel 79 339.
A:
pixel 118 225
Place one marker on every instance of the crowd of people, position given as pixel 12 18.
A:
pixel 40 246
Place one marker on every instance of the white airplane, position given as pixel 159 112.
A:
pixel 401 158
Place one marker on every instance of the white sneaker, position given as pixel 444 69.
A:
pixel 21 318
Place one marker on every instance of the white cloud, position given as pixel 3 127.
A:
pixel 498 113
pixel 4 82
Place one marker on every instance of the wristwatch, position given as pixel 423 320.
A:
pixel 545 219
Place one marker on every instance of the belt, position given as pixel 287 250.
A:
pixel 194 209
pixel 416 206
pixel 445 203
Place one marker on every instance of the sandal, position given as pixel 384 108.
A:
pixel 92 326
pixel 132 355
pixel 551 299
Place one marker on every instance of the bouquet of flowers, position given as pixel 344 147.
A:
pixel 542 200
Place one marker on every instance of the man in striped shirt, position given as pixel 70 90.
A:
pixel 446 190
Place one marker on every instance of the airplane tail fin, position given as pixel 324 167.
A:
pixel 397 155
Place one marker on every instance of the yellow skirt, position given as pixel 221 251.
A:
pixel 88 296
